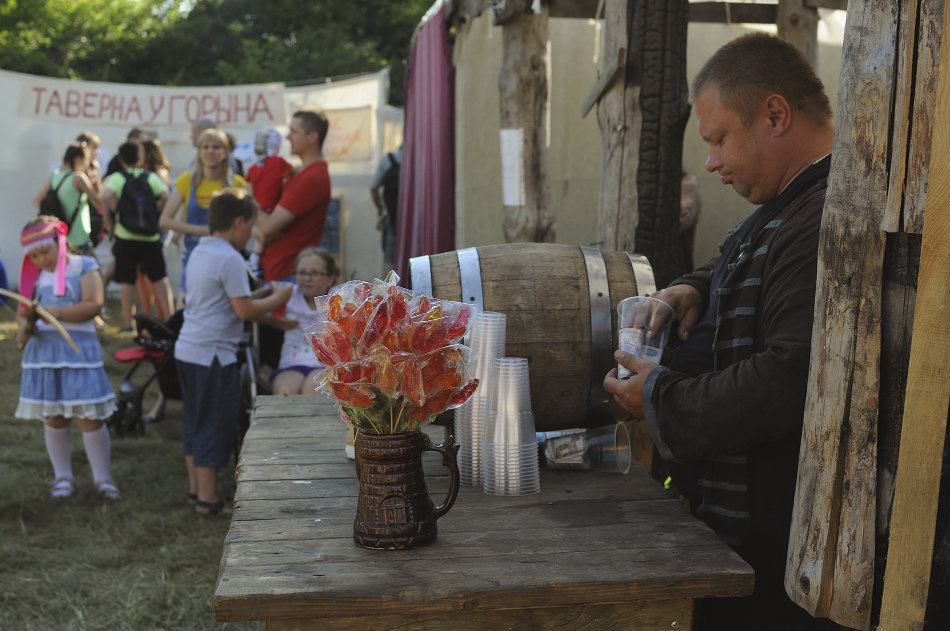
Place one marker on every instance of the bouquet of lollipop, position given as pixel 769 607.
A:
pixel 393 357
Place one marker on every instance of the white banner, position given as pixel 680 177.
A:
pixel 43 115
pixel 86 102
pixel 350 136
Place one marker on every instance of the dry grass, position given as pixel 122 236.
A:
pixel 144 563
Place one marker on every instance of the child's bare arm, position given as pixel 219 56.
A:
pixel 249 308
pixel 89 305
pixel 275 322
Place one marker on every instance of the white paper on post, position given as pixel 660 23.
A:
pixel 512 172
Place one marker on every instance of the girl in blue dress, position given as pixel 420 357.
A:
pixel 61 386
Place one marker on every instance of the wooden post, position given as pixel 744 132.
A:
pixel 798 24
pixel 642 121
pixel 914 514
pixel 830 567
pixel 523 99
pixel 620 119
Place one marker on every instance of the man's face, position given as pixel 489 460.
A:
pixel 300 140
pixel 738 152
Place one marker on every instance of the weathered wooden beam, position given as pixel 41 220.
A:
pixel 837 5
pixel 914 513
pixel 798 24
pixel 921 31
pixel 717 12
pixel 830 566
pixel 603 83
pixel 732 12
pixel 585 9
pixel 504 11
pixel 659 32
pixel 523 98
pixel 642 121
pixel 619 119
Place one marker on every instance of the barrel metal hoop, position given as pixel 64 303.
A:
pixel 642 274
pixel 601 329
pixel 420 274
pixel 470 275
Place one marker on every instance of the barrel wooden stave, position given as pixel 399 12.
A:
pixel 543 290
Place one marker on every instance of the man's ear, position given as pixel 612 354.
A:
pixel 779 113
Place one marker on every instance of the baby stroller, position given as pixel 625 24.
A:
pixel 155 346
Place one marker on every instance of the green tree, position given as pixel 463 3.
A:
pixel 81 39
pixel 248 41
pixel 214 42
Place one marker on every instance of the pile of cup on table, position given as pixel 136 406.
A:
pixel 495 427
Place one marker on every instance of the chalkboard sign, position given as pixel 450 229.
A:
pixel 332 238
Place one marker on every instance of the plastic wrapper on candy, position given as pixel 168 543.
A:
pixel 393 357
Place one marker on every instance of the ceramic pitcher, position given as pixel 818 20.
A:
pixel 395 511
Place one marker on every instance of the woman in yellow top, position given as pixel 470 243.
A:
pixel 193 190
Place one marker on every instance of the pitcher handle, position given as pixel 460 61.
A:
pixel 449 450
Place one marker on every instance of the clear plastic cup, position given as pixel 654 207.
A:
pixel 643 328
pixel 511 390
pixel 608 448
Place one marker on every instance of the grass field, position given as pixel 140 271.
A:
pixel 146 562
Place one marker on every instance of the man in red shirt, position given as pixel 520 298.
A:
pixel 297 221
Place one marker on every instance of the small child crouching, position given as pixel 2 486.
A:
pixel 219 300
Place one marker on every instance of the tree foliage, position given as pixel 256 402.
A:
pixel 81 39
pixel 215 42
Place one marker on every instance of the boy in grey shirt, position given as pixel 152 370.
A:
pixel 219 300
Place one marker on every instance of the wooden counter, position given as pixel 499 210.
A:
pixel 590 551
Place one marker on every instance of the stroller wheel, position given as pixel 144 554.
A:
pixel 116 422
pixel 126 420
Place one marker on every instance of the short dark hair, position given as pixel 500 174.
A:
pixel 129 153
pixel 749 68
pixel 313 120
pixel 137 132
pixel 73 151
pixel 227 205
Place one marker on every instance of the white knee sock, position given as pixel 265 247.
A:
pixel 58 449
pixel 97 450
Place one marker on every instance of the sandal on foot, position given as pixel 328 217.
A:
pixel 208 509
pixel 108 490
pixel 63 487
pixel 192 499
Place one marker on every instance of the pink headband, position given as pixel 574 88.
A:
pixel 34 237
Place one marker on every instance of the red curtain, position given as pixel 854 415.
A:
pixel 426 217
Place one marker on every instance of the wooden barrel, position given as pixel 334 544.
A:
pixel 560 303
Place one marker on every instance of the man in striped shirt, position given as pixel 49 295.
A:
pixel 727 414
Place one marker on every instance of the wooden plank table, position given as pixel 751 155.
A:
pixel 590 551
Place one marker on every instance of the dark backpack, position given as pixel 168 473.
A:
pixel 390 184
pixel 50 204
pixel 137 210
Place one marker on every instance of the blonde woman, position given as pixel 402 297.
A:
pixel 194 189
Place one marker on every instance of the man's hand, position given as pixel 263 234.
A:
pixel 629 392
pixel 686 302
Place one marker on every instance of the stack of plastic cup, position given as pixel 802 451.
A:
pixel 510 449
pixel 487 338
